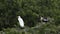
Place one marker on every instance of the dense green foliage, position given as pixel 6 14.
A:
pixel 30 10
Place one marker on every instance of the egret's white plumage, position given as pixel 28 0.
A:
pixel 21 22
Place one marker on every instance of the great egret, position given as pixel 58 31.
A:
pixel 21 22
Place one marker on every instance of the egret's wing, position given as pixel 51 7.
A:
pixel 21 22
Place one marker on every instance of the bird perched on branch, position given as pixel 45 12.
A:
pixel 21 22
